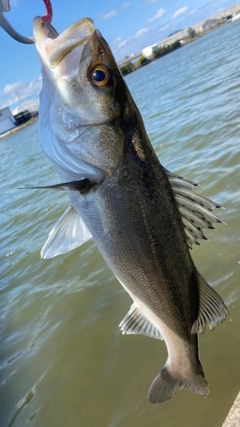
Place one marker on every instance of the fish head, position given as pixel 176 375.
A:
pixel 83 99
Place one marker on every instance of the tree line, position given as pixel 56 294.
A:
pixel 158 53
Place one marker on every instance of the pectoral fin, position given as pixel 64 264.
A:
pixel 69 233
pixel 212 309
pixel 136 323
pixel 83 186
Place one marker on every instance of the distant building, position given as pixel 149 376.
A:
pixel 210 24
pixel 7 121
pixel 22 117
pixel 236 16
pixel 148 51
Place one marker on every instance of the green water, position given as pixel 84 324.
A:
pixel 63 360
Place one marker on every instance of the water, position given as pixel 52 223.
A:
pixel 63 361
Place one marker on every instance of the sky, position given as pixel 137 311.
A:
pixel 128 27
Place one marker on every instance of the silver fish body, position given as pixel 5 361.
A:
pixel 143 218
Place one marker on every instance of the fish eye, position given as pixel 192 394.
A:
pixel 100 75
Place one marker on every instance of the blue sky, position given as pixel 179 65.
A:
pixel 128 26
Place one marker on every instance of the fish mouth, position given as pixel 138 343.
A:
pixel 53 47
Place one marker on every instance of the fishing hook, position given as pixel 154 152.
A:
pixel 4 7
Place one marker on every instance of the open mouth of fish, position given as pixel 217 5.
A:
pixel 54 47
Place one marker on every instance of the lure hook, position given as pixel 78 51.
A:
pixel 5 7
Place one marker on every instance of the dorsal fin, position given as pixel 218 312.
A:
pixel 196 210
pixel 136 323
pixel 69 232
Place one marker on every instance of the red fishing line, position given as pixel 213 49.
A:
pixel 49 14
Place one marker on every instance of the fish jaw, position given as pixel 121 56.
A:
pixel 53 47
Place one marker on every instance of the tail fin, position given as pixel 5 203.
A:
pixel 165 385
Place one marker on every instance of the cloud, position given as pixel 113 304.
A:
pixel 164 28
pixel 180 12
pixel 151 2
pixel 160 13
pixel 122 43
pixel 30 105
pixel 109 15
pixel 193 11
pixel 118 40
pixel 140 33
pixel 10 88
pixel 19 92
pixel 126 4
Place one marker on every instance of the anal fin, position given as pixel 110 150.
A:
pixel 136 323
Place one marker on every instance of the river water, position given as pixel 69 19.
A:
pixel 63 360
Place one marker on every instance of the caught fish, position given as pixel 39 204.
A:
pixel 143 218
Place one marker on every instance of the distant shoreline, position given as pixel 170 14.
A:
pixel 125 69
pixel 17 128
pixel 129 67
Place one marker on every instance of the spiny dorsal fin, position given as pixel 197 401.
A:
pixel 68 233
pixel 212 309
pixel 136 323
pixel 195 209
